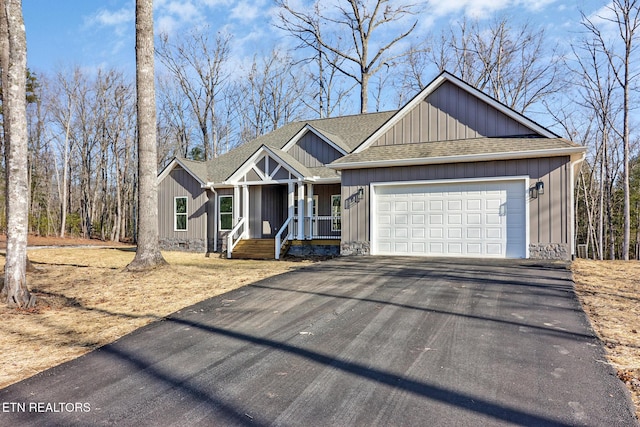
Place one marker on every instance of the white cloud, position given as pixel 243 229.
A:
pixel 118 20
pixel 108 18
pixel 166 25
pixel 483 9
pixel 184 11
pixel 244 11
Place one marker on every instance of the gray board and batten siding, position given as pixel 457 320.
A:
pixel 313 152
pixel 180 183
pixel 451 113
pixel 548 219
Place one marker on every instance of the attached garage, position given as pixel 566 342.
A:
pixel 468 218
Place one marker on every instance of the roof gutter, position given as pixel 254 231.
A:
pixel 465 158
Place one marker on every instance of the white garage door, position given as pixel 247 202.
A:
pixel 473 219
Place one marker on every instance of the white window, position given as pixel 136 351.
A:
pixel 225 209
pixel 180 214
pixel 336 212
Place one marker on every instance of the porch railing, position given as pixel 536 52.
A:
pixel 235 235
pixel 319 227
pixel 286 227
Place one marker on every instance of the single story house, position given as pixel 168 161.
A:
pixel 452 173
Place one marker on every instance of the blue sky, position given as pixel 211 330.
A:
pixel 100 33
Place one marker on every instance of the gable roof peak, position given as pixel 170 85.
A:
pixel 446 76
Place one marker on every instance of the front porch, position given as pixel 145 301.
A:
pixel 303 215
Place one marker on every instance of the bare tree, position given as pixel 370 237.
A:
pixel 625 17
pixel 596 91
pixel 332 95
pixel 174 121
pixel 148 254
pixel 269 96
pixel 513 64
pixel 198 66
pixel 15 126
pixel 359 21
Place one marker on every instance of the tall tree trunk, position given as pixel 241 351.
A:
pixel 626 214
pixel 15 279
pixel 148 252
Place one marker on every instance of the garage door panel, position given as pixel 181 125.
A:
pixel 474 232
pixel 436 219
pixel 454 248
pixel 401 219
pixel 436 205
pixel 418 219
pixel 436 248
pixel 494 233
pixel 401 248
pixel 454 205
pixel 459 219
pixel 401 206
pixel 474 219
pixel 400 232
pixel 419 247
pixel 454 233
pixel 474 204
pixel 418 233
pixel 474 248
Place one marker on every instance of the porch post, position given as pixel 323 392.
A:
pixel 309 211
pixel 245 210
pixel 291 199
pixel 236 205
pixel 300 211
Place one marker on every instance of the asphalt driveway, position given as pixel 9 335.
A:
pixel 351 341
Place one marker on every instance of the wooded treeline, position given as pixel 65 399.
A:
pixel 82 124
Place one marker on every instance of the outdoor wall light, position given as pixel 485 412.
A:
pixel 536 190
pixel 360 193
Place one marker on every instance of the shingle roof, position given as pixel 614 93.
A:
pixel 347 132
pixel 457 148
pixel 199 169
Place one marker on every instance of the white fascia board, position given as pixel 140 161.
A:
pixel 213 186
pixel 176 162
pixel 435 84
pixel 459 159
pixel 308 128
pixel 251 161
pixel 318 180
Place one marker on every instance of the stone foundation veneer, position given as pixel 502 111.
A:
pixel 355 248
pixel 558 251
pixel 302 251
pixel 183 245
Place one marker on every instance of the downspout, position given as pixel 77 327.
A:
pixel 574 168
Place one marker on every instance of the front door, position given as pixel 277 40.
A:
pixel 274 209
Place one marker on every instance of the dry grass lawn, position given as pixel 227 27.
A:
pixel 86 300
pixel 610 295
